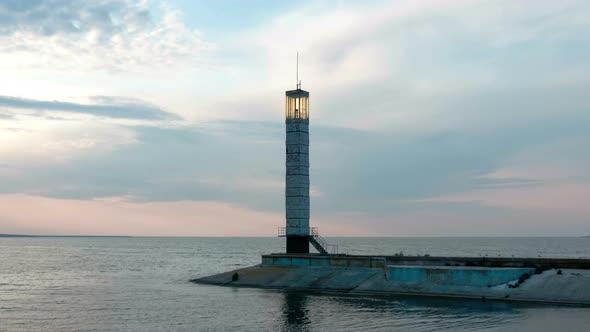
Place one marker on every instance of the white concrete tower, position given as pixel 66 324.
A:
pixel 297 172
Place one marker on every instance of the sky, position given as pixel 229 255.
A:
pixel 166 118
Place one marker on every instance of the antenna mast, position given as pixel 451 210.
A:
pixel 298 82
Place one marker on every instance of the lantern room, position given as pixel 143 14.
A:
pixel 297 105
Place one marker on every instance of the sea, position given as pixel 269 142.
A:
pixel 143 284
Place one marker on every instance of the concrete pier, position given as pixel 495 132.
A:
pixel 373 275
pixel 548 263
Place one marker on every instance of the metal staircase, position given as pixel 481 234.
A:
pixel 318 242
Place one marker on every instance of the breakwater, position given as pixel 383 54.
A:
pixel 545 263
pixel 525 280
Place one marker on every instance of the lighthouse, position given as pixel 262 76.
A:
pixel 297 231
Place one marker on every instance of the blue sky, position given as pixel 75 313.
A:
pixel 428 118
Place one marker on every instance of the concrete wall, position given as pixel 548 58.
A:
pixel 454 276
pixel 297 177
pixel 370 276
pixel 551 263
pixel 327 261
pixel 571 286
pixel 406 275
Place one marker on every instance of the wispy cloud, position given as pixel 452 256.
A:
pixel 117 35
pixel 112 107
pixel 423 113
pixel 6 115
pixel 118 216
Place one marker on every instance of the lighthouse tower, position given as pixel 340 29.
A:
pixel 297 172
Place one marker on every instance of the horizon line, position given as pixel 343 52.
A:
pixel 7 235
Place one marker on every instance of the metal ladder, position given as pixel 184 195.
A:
pixel 321 245
pixel 318 242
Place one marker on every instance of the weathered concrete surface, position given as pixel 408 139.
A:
pixel 546 263
pixel 571 287
pixel 297 180
pixel 454 276
pixel 323 260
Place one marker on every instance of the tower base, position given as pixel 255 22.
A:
pixel 297 245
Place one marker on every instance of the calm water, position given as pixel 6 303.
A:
pixel 141 284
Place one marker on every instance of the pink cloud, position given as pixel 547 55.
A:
pixel 555 211
pixel 26 214
pixel 568 198
pixel 119 216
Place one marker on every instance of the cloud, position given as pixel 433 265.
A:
pixel 112 107
pixel 242 162
pixel 9 172
pixel 39 142
pixel 458 219
pixel 6 115
pixel 423 113
pixel 167 164
pixel 429 65
pixel 365 176
pixel 117 35
pixel 53 17
pixel 118 216
pixel 569 198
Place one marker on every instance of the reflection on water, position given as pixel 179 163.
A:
pixel 307 311
pixel 295 312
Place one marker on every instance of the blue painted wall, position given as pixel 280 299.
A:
pixel 455 276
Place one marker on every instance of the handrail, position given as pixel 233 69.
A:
pixel 315 235
pixel 330 248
